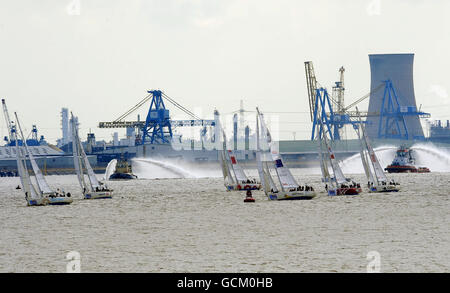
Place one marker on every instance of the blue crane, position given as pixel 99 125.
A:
pixel 157 127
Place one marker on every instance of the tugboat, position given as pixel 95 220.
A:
pixel 404 163
pixel 123 171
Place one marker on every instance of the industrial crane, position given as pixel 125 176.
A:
pixel 335 115
pixel 10 125
pixel 157 128
pixel 8 122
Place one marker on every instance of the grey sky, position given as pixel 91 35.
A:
pixel 209 54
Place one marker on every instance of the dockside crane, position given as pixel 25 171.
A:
pixel 331 110
pixel 9 124
pixel 157 127
pixel 335 115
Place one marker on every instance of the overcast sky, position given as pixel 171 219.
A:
pixel 99 57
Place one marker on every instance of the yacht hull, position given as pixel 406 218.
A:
pixel 297 195
pixel 98 195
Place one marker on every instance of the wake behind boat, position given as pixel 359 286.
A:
pixel 93 189
pixel 267 157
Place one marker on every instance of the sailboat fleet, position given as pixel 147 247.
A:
pixel 36 188
pixel 283 186
pixel 276 180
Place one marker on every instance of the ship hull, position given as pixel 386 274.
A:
pixel 405 169
pixel 122 176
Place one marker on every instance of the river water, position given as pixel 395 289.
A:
pixel 194 225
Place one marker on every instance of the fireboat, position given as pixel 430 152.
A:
pixel 404 163
pixel 122 171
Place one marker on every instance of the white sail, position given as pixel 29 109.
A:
pixel 91 175
pixel 225 161
pixel 263 178
pixel 378 170
pixel 237 169
pixel 262 159
pixel 284 174
pixel 338 174
pixel 25 179
pixel 323 161
pixel 228 177
pixel 42 184
pixel 364 160
pixel 76 155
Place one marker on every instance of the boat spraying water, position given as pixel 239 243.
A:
pixel 352 165
pixel 438 159
pixel 110 169
pixel 146 168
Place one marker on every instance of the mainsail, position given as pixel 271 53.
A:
pixel 364 160
pixel 42 184
pixel 227 169
pixel 378 170
pixel 323 160
pixel 80 158
pixel 238 171
pixel 232 171
pixel 285 177
pixel 263 158
pixel 76 155
pixel 25 179
pixel 284 174
pixel 338 174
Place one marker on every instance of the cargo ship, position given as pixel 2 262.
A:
pixel 404 163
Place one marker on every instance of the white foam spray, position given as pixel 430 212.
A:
pixel 428 155
pixel 110 169
pixel 353 164
pixel 163 168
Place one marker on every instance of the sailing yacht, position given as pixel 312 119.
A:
pixel 376 178
pixel 93 189
pixel 32 197
pixel 233 174
pixel 267 158
pixel 43 194
pixel 337 184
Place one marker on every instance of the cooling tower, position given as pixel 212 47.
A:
pixel 399 69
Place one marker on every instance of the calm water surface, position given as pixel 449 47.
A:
pixel 194 225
